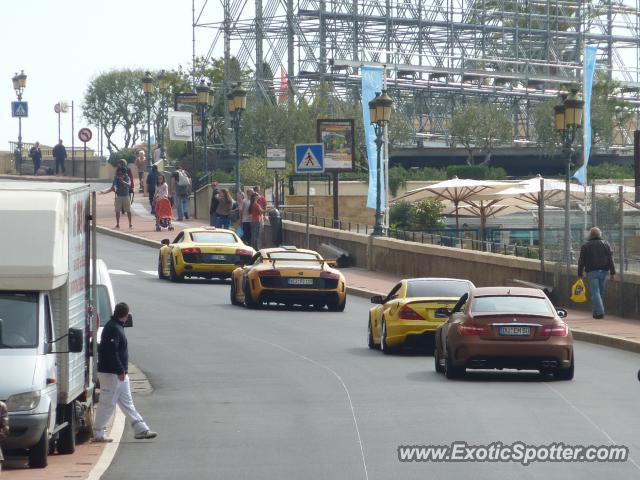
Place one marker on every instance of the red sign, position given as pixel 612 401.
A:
pixel 84 135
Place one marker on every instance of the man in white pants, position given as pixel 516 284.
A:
pixel 113 361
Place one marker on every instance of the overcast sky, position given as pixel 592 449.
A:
pixel 62 44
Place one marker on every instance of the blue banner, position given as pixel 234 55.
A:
pixel 372 83
pixel 589 70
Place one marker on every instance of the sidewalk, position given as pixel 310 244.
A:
pixel 611 331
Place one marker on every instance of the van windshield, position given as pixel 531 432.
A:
pixel 18 320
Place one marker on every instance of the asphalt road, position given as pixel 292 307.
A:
pixel 275 394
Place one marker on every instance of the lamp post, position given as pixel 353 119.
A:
pixel 236 104
pixel 379 114
pixel 203 92
pixel 148 88
pixel 19 84
pixel 163 86
pixel 568 121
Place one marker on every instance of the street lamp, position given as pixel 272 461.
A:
pixel 148 88
pixel 568 121
pixel 236 104
pixel 379 114
pixel 163 86
pixel 204 93
pixel 19 84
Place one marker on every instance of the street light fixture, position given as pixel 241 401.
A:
pixel 379 113
pixel 236 104
pixel 163 86
pixel 19 84
pixel 148 88
pixel 568 121
pixel 203 94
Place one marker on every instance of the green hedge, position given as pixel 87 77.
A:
pixel 476 172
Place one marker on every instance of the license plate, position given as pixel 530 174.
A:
pixel 300 281
pixel 515 331
pixel 213 257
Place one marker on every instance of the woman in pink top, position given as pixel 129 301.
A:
pixel 256 212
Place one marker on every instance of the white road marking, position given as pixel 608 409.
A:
pixel 110 449
pixel 150 272
pixel 120 272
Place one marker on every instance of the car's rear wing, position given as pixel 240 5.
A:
pixel 329 262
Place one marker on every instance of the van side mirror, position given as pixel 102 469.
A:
pixel 378 299
pixel 129 321
pixel 562 313
pixel 165 241
pixel 75 340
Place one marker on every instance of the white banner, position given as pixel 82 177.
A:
pixel 180 126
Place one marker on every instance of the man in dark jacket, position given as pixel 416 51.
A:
pixel 113 363
pixel 152 179
pixel 36 155
pixel 60 154
pixel 596 259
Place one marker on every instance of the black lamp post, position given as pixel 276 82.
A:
pixel 163 86
pixel 19 84
pixel 568 122
pixel 204 92
pixel 236 104
pixel 379 114
pixel 148 88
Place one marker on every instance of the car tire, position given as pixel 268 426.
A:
pixel 565 373
pixel 39 454
pixel 67 436
pixel 450 370
pixel 370 341
pixel 161 274
pixel 383 340
pixel 334 306
pixel 173 276
pixel 248 301
pixel 436 361
pixel 233 294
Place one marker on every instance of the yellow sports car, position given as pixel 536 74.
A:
pixel 205 252
pixel 289 275
pixel 407 315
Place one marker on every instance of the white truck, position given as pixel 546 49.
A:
pixel 46 371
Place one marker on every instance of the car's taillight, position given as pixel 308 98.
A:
pixel 242 251
pixel 557 329
pixel 191 250
pixel 408 313
pixel 269 273
pixel 330 275
pixel 473 329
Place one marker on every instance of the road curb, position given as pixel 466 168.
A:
pixel 48 178
pixel 130 237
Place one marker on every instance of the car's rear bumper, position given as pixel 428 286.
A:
pixel 412 332
pixel 297 296
pixel 196 269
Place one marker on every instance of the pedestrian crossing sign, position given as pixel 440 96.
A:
pixel 19 109
pixel 310 158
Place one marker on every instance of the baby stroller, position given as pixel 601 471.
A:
pixel 163 214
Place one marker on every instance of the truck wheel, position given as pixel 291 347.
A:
pixel 38 456
pixel 67 436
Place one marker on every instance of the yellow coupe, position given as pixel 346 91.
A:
pixel 290 276
pixel 205 252
pixel 407 315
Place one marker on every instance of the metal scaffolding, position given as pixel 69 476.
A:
pixel 439 54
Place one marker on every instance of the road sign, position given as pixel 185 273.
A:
pixel 19 109
pixel 310 158
pixel 276 158
pixel 84 135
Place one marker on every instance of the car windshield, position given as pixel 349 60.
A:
pixel 224 238
pixel 511 304
pixel 437 288
pixel 18 320
pixel 293 259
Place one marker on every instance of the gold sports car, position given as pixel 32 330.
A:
pixel 205 252
pixel 407 315
pixel 289 275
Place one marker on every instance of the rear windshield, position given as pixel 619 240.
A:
pixel 511 304
pixel 214 237
pixel 436 288
pixel 18 320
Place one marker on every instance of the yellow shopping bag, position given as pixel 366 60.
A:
pixel 578 291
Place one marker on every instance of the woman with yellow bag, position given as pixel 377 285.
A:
pixel 596 258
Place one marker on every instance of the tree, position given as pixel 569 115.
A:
pixel 253 171
pixel 427 213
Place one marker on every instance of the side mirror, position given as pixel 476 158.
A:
pixel 377 299
pixel 562 313
pixel 129 322
pixel 165 241
pixel 442 313
pixel 75 340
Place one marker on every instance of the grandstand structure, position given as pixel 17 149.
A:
pixel 438 54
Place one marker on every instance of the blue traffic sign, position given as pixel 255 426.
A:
pixel 19 109
pixel 310 158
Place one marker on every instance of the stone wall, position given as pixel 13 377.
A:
pixel 353 208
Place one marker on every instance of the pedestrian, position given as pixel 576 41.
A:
pixel 141 165
pixel 225 204
pixel 261 199
pixel 113 364
pixel 596 258
pixel 152 179
pixel 245 216
pixel 60 154
pixel 236 214
pixel 213 205
pixel 4 427
pixel 36 156
pixel 182 196
pixel 257 220
pixel 121 185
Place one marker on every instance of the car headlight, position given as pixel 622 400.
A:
pixel 23 401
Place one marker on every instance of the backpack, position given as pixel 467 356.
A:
pixel 183 179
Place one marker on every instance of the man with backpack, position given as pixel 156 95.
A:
pixel 183 184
